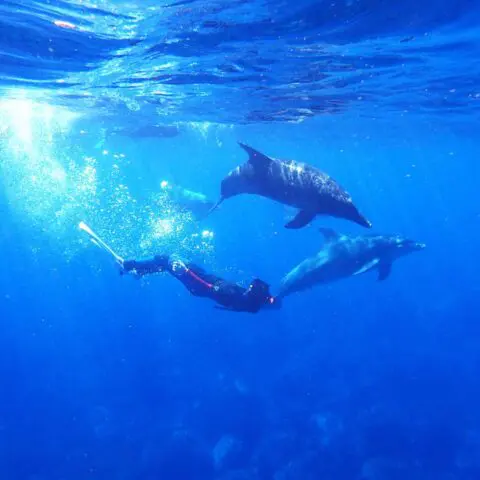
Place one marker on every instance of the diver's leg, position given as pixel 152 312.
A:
pixel 157 264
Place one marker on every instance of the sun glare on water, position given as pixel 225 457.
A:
pixel 40 177
pixel 50 183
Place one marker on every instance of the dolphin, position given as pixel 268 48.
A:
pixel 292 183
pixel 344 256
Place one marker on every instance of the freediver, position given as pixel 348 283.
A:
pixel 228 295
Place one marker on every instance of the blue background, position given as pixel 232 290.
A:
pixel 104 376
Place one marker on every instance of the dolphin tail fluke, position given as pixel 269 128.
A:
pixel 302 218
pixel 215 206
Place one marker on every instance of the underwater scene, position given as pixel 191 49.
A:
pixel 239 240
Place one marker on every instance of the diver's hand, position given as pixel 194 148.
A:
pixel 178 266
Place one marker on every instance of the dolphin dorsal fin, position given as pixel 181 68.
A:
pixel 329 234
pixel 256 158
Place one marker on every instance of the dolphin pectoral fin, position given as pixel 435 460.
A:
pixel 384 269
pixel 368 266
pixel 256 158
pixel 303 217
pixel 329 233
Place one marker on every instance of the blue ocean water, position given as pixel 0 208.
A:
pixel 104 376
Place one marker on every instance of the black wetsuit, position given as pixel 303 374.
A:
pixel 201 284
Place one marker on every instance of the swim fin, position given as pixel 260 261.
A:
pixel 99 242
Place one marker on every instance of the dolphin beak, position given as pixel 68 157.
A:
pixel 362 220
pixel 215 206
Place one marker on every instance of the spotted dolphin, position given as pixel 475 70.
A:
pixel 343 256
pixel 292 183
